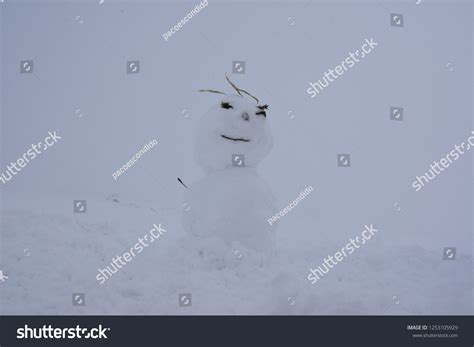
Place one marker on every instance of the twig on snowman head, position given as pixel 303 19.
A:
pixel 240 90
pixel 211 91
pixel 233 85
pixel 237 89
pixel 244 91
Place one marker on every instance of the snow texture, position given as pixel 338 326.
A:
pixel 66 251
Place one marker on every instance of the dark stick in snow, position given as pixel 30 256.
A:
pixel 179 179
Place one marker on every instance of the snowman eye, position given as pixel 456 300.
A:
pixel 226 105
pixel 262 110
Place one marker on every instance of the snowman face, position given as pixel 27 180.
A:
pixel 236 125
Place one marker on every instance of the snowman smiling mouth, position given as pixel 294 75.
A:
pixel 235 139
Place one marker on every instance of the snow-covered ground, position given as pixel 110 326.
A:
pixel 50 253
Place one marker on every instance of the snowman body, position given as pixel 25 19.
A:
pixel 229 207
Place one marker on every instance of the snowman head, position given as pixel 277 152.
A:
pixel 236 126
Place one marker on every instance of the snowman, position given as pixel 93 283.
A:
pixel 226 211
